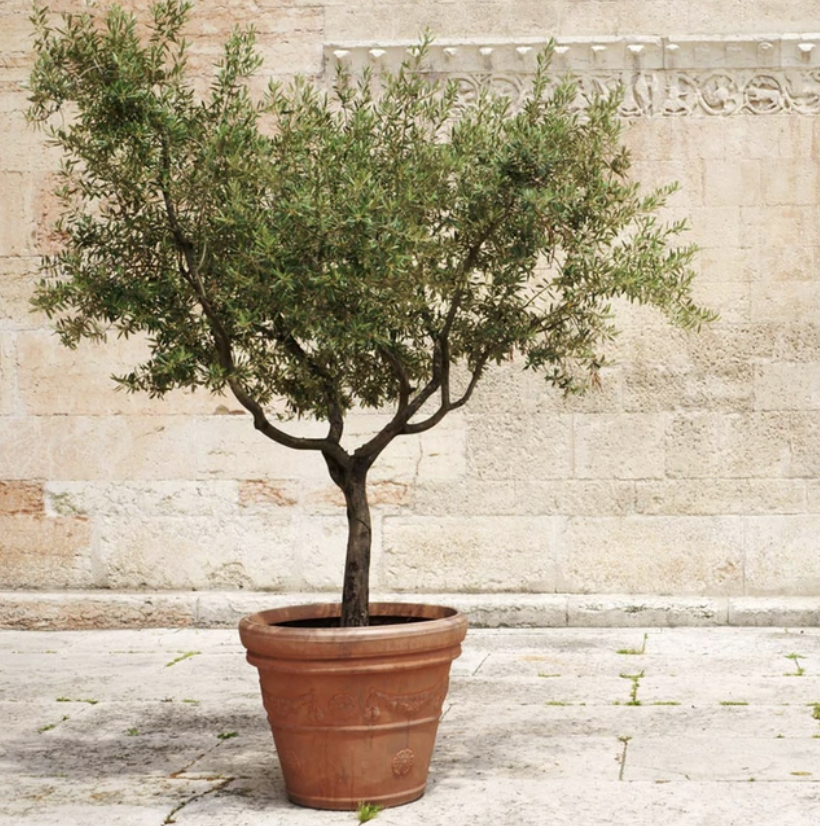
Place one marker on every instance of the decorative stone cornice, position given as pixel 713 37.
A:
pixel 661 76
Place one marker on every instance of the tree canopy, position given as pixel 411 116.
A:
pixel 342 248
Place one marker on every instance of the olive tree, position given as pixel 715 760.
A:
pixel 312 252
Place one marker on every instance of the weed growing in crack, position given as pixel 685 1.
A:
pixel 799 670
pixel 227 735
pixel 50 726
pixel 633 693
pixel 184 655
pixel 367 811
pixel 635 651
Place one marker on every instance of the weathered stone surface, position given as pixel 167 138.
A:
pixel 787 386
pixel 721 496
pixel 714 437
pixel 654 387
pixel 536 447
pixel 142 499
pixel 16 288
pixel 8 375
pixel 22 498
pixel 58 381
pixel 38 551
pixel 629 446
pixel 253 552
pixel 451 554
pixel 643 611
pixel 705 445
pixel 641 555
pixel 781 555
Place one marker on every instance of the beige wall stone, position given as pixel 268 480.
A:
pixel 40 552
pixel 694 470
pixel 659 555
pixel 22 498
pixel 445 554
pixel 781 555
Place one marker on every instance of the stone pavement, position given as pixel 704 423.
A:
pixel 567 726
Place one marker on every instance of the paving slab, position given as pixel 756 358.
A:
pixel 577 726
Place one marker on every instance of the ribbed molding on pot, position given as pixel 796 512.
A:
pixel 661 76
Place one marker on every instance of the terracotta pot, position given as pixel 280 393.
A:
pixel 354 711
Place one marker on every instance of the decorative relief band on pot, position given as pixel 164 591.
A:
pixel 380 706
pixel 660 77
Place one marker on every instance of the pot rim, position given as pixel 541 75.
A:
pixel 444 628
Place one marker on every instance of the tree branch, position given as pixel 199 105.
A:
pixel 419 427
pixel 222 343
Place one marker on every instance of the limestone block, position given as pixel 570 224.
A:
pixel 652 555
pixel 790 182
pixel 804 433
pixel 719 346
pixel 781 555
pixel 23 455
pixel 465 498
pixel 260 552
pixel 796 138
pixel 722 264
pixel 813 495
pixel 606 397
pixel 606 497
pixel 787 386
pixel 351 22
pixel 785 302
pixel 731 183
pixel 644 611
pixel 790 612
pixel 228 447
pixel 147 500
pixel 40 552
pixel 677 140
pixel 22 498
pixel 18 194
pixel 509 388
pixel 689 175
pixel 750 445
pixel 778 225
pixel 8 375
pixel 93 611
pixel 257 494
pixel 480 554
pixel 649 387
pixel 18 277
pixel 442 451
pixel 751 137
pixel 793 263
pixel 715 226
pixel 628 446
pixel 796 342
pixel 491 20
pixel 55 380
pixel 535 447
pixel 721 496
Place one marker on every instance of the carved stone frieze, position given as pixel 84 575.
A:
pixel 660 77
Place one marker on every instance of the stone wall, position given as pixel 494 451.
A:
pixel 694 470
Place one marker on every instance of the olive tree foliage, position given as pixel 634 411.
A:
pixel 312 252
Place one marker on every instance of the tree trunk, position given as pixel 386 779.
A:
pixel 356 591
